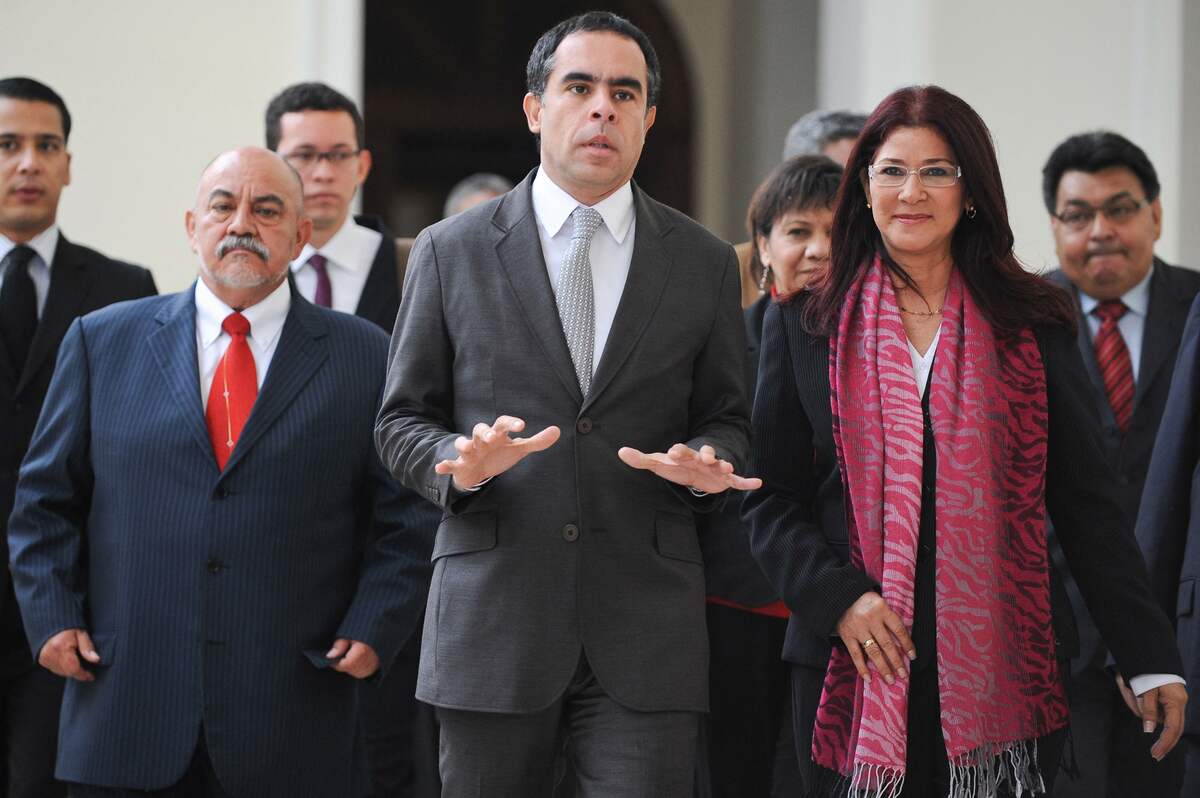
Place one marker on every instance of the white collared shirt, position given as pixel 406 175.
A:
pixel 266 323
pixel 44 245
pixel 348 255
pixel 1132 325
pixel 611 252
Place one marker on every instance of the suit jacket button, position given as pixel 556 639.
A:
pixel 583 426
pixel 570 533
pixel 215 566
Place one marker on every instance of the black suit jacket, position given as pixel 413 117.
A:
pixel 1171 292
pixel 798 530
pixel 1168 526
pixel 730 571
pixel 380 298
pixel 81 280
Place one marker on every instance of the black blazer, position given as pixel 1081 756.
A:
pixel 380 298
pixel 1172 290
pixel 1168 527
pixel 797 519
pixel 81 280
pixel 730 571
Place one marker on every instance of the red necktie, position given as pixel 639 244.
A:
pixel 1113 358
pixel 234 388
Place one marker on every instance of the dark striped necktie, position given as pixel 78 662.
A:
pixel 18 306
pixel 1112 356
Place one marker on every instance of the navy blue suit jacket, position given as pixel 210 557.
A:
pixel 212 596
pixel 1168 526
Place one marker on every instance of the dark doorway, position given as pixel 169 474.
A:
pixel 443 84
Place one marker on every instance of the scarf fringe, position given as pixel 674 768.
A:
pixel 976 774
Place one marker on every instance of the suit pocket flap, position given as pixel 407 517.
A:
pixel 675 536
pixel 1183 603
pixel 459 534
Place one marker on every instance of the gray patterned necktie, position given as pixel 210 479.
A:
pixel 576 303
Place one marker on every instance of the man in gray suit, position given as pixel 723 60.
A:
pixel 568 592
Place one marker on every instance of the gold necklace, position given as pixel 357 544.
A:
pixel 920 312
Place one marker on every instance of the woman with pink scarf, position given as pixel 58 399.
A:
pixel 923 406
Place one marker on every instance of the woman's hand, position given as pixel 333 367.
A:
pixel 872 631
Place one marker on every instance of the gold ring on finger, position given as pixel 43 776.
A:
pixel 868 643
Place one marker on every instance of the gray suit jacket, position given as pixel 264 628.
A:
pixel 570 550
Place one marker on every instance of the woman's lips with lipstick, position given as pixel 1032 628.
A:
pixel 912 218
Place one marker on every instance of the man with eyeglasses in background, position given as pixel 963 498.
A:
pixel 352 264
pixel 1102 193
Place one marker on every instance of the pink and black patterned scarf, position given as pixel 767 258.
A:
pixel 997 675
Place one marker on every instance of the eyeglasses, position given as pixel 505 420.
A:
pixel 1080 217
pixel 306 159
pixel 891 175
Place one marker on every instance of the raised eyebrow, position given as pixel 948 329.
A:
pixel 219 193
pixel 578 77
pixel 626 83
pixel 275 198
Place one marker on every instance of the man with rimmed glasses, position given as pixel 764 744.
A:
pixel 1102 193
pixel 352 263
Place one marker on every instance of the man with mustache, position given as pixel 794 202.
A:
pixel 46 281
pixel 204 540
pixel 1102 194
pixel 567 599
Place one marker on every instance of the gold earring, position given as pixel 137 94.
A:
pixel 868 203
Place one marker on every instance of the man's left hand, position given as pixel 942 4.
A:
pixel 1163 705
pixel 354 658
pixel 700 470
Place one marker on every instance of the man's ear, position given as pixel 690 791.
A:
pixel 189 223
pixel 532 104
pixel 364 166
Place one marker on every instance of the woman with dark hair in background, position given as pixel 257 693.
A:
pixel 790 218
pixel 918 411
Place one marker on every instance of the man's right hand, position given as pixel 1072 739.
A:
pixel 61 653
pixel 490 451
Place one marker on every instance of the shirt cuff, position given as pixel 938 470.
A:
pixel 1149 681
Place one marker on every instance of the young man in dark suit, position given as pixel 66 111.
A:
pixel 1102 194
pixel 352 263
pixel 204 539
pixel 45 282
pixel 568 592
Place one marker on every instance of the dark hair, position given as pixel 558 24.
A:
pixel 310 97
pixel 1092 152
pixel 1010 297
pixel 31 90
pixel 541 60
pixel 803 182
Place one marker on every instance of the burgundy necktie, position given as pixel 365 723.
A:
pixel 1113 358
pixel 324 294
pixel 234 389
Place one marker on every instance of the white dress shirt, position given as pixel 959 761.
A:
pixel 266 323
pixel 348 255
pixel 44 245
pixel 611 252
pixel 1132 325
pixel 921 364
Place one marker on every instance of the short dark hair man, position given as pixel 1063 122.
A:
pixel 1102 194
pixel 352 264
pixel 45 282
pixel 246 553
pixel 568 593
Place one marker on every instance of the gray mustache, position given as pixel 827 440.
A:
pixel 247 242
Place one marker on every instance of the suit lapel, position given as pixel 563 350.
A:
pixel 520 252
pixel 69 285
pixel 1165 315
pixel 648 274
pixel 174 347
pixel 380 287
pixel 298 355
